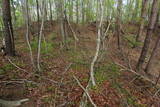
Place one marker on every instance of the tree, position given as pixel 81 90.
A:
pixel 27 33
pixel 151 25
pixel 118 29
pixel 50 7
pixel 151 59
pixel 142 19
pixel 8 30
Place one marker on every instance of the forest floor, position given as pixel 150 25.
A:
pixel 55 86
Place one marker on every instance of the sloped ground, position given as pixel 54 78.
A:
pixel 55 85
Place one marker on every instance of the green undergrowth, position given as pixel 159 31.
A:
pixel 6 68
pixel 46 47
pixel 105 72
pixel 132 41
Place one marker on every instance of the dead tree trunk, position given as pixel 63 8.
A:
pixel 142 19
pixel 151 25
pixel 8 30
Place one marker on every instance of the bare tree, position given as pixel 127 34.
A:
pixel 40 36
pixel 98 45
pixel 27 33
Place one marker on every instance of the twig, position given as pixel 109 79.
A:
pixel 134 79
pixel 67 68
pixel 89 97
pixel 156 93
pixel 158 78
pixel 21 81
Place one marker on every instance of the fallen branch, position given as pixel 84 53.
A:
pixel 4 103
pixel 19 81
pixel 89 97
pixel 145 78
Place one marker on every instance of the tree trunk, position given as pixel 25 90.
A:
pixel 14 13
pixel 8 30
pixel 151 25
pixel 154 52
pixel 142 19
pixel 38 20
pixel 77 11
pixel 118 29
pixel 83 12
pixel 27 33
pixel 157 21
pixel 37 3
pixel 50 7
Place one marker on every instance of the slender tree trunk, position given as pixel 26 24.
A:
pixel 135 11
pixel 38 19
pixel 77 11
pixel 142 19
pixel 157 21
pixel 50 7
pixel 151 25
pixel 46 12
pixel 98 44
pixel 27 33
pixel 83 12
pixel 8 30
pixel 37 3
pixel 118 30
pixel 14 13
pixel 40 35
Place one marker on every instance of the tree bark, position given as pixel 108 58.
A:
pixel 142 19
pixel 77 11
pixel 50 7
pixel 8 30
pixel 151 59
pixel 151 25
pixel 14 12
pixel 118 29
